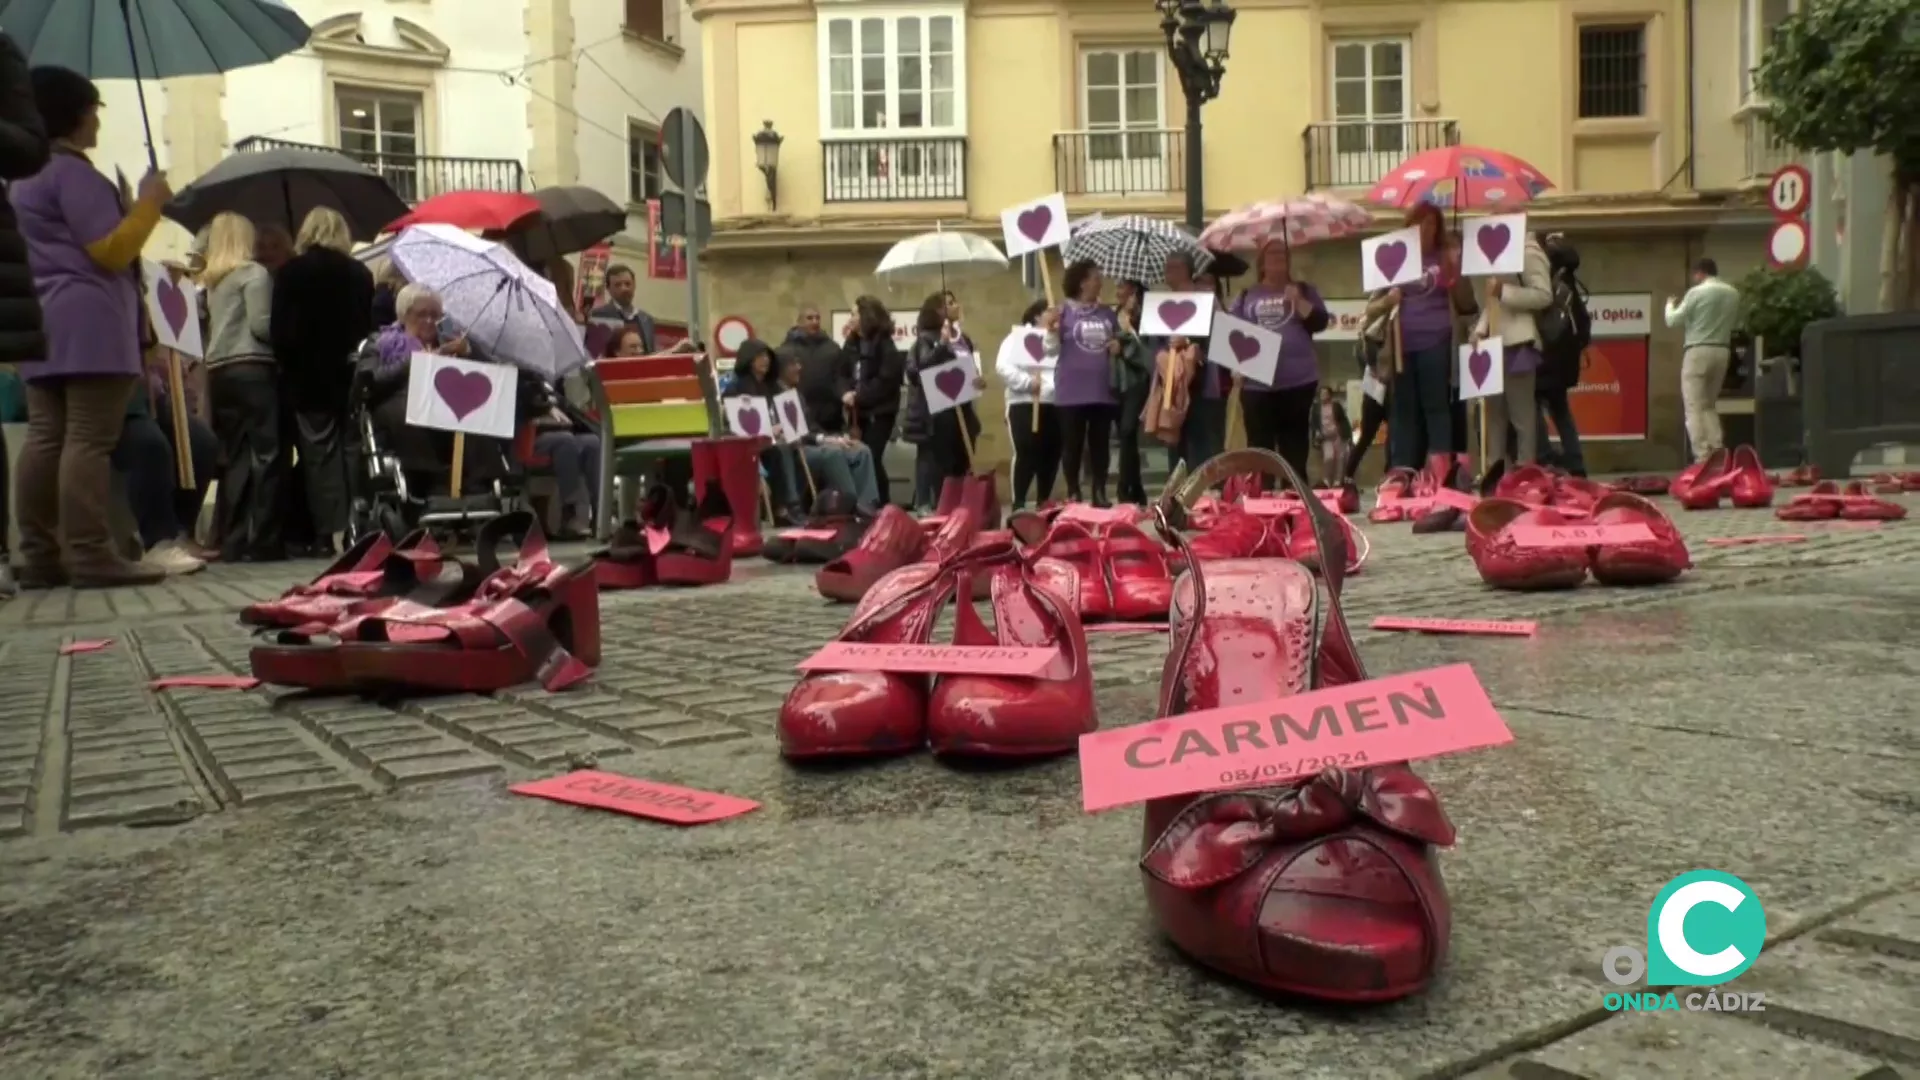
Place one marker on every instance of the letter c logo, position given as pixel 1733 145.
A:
pixel 1710 908
pixel 1673 928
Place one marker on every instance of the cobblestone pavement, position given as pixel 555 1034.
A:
pixel 696 677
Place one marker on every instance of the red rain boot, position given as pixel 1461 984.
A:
pixel 734 463
pixel 982 492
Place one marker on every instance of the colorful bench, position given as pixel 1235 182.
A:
pixel 652 408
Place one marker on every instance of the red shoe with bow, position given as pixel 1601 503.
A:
pixel 1016 716
pixel 838 714
pixel 1648 562
pixel 1326 887
pixel 891 542
pixel 1748 485
pixel 1504 564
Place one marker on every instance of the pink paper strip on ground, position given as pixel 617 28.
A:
pixel 73 647
pixel 1739 541
pixel 1127 628
pixel 930 659
pixel 639 798
pixel 1849 525
pixel 806 534
pixel 1398 718
pixel 1269 507
pixel 1457 626
pixel 204 682
pixel 1565 536
pixel 1458 500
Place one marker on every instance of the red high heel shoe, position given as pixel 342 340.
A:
pixel 1504 564
pixel 954 536
pixel 1649 562
pixel 1749 487
pixel 953 495
pixel 1700 485
pixel 371 569
pixel 1139 579
pixel 1801 476
pixel 1395 487
pixel 1349 497
pixel 1026 716
pixel 982 492
pixel 1326 888
pixel 830 714
pixel 699 543
pixel 1074 544
pixel 1301 545
pixel 891 542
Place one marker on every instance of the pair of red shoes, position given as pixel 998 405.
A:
pixel 1289 534
pixel 979 492
pixel 850 714
pixel 1505 563
pixel 670 545
pixel 1123 573
pixel 1329 887
pixel 1735 475
pixel 486 628
pixel 1895 483
pixel 1404 495
pixel 1829 501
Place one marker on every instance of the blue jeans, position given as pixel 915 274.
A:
pixel 1204 436
pixel 144 455
pixel 1555 407
pixel 574 458
pixel 847 469
pixel 1420 420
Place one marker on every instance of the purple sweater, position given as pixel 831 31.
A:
pixel 1084 373
pixel 1299 364
pixel 1426 315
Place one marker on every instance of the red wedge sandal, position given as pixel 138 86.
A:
pixel 893 540
pixel 371 569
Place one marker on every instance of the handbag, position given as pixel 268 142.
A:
pixel 1169 398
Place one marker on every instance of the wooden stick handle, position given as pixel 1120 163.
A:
pixel 182 433
pixel 459 460
pixel 800 451
pixel 966 437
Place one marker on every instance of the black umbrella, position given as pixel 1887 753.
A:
pixel 282 185
pixel 1225 265
pixel 571 219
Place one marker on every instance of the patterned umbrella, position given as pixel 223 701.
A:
pixel 1133 248
pixel 507 310
pixel 1461 178
pixel 1305 220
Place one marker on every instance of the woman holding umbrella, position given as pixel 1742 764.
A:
pixel 1279 415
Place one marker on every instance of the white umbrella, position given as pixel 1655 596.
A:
pixel 947 256
pixel 507 310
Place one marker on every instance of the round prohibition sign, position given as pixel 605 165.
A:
pixel 730 333
pixel 1790 191
pixel 1787 245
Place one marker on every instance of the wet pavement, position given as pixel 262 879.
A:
pixel 264 884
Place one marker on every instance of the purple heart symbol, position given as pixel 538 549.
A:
pixel 1034 223
pixel 1390 257
pixel 1035 347
pixel 1493 240
pixel 1176 312
pixel 749 422
pixel 173 305
pixel 463 391
pixel 1479 365
pixel 950 382
pixel 793 415
pixel 1244 345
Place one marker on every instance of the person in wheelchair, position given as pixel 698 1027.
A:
pixel 425 454
pixel 565 444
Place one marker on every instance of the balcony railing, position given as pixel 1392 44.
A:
pixel 1765 154
pixel 1138 161
pixel 1359 153
pixel 416 177
pixel 893 170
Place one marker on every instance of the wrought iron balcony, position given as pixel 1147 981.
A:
pixel 1138 161
pixel 1765 154
pixel 893 170
pixel 1359 153
pixel 417 177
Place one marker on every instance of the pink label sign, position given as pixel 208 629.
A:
pixel 1458 500
pixel 1743 541
pixel 1330 497
pixel 204 682
pixel 1457 626
pixel 639 798
pixel 1126 628
pixel 931 659
pixel 806 534
pixel 1094 515
pixel 73 647
pixel 1269 507
pixel 1422 714
pixel 1849 525
pixel 1566 536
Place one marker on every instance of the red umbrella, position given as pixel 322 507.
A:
pixel 1460 178
pixel 486 211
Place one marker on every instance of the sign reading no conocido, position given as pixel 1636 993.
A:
pixel 1705 928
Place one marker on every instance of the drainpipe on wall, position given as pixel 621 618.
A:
pixel 1691 94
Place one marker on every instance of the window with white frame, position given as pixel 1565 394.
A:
pixel 893 104
pixel 1759 19
pixel 382 130
pixel 1371 89
pixel 646 163
pixel 1122 98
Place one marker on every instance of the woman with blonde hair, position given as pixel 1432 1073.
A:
pixel 244 383
pixel 322 312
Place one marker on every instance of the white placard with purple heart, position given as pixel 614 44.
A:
pixel 1031 226
pixel 1024 348
pixel 452 394
pixel 950 385
pixel 1495 245
pixel 1483 369
pixel 1244 348
pixel 748 416
pixel 790 416
pixel 1389 260
pixel 173 307
pixel 1164 314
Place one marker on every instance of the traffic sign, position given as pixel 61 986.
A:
pixel 1790 191
pixel 730 333
pixel 1787 245
pixel 685 166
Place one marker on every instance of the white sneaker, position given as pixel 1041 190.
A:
pixel 172 558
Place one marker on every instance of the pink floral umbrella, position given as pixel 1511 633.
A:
pixel 1305 220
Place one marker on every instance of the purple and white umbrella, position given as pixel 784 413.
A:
pixel 508 312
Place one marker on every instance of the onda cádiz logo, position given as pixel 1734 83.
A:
pixel 1704 928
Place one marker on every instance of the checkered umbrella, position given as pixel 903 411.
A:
pixel 1305 220
pixel 1133 248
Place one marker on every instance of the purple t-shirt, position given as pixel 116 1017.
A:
pixel 1084 373
pixel 91 316
pixel 1426 314
pixel 1299 364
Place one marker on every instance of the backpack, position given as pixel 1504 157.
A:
pixel 1566 327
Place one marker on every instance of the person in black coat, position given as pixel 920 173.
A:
pixel 1560 361
pixel 879 371
pixel 942 452
pixel 322 312
pixel 23 152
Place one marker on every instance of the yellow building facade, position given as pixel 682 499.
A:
pixel 895 117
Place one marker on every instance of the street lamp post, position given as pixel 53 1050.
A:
pixel 1197 36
